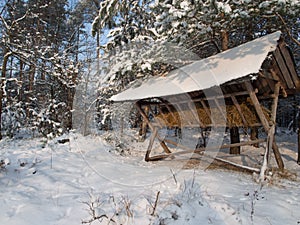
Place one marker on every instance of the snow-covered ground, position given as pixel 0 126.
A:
pixel 84 179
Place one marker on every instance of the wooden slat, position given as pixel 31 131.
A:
pixel 276 69
pixel 290 64
pixel 152 138
pixel 201 150
pixel 153 128
pixel 257 106
pixel 283 68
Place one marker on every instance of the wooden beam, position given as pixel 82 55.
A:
pixel 283 68
pixel 265 122
pixel 145 117
pixel 284 94
pixel 163 103
pixel 201 150
pixel 257 106
pixel 273 119
pixel 152 138
pixel 162 143
pixel 290 64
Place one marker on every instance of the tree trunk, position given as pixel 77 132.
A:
pixel 21 80
pixel 225 40
pixel 3 74
pixel 235 138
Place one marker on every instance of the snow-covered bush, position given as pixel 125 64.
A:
pixel 13 118
pixel 49 120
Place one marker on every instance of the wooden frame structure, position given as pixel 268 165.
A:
pixel 276 78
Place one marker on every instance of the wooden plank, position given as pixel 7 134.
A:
pixel 201 150
pixel 265 122
pixel 277 71
pixel 290 63
pixel 141 111
pixel 164 146
pixel 275 103
pixel 274 74
pixel 273 119
pixel 257 106
pixel 210 125
pixel 283 68
pixel 167 104
pixel 277 154
pixel 152 138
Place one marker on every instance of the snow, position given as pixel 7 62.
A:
pixel 232 64
pixel 52 183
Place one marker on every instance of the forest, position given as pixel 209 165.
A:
pixel 59 58
pixel 70 155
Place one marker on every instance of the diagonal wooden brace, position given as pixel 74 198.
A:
pixel 264 120
pixel 154 133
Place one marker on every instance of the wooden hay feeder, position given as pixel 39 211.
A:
pixel 225 90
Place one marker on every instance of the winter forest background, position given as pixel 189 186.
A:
pixel 57 53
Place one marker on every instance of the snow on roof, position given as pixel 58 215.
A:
pixel 232 64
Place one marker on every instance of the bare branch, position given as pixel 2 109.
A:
pixel 2 10
pixel 287 30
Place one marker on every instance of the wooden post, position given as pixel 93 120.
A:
pixel 152 138
pixel 254 135
pixel 235 138
pixel 146 119
pixel 238 107
pixel 298 161
pixel 264 120
pixel 143 129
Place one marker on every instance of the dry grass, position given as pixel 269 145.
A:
pixel 186 118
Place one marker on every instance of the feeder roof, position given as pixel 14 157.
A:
pixel 236 63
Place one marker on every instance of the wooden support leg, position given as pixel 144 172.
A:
pixel 144 126
pixel 165 147
pixel 235 138
pixel 277 155
pixel 254 136
pixel 152 138
pixel 264 120
pixel 298 161
pixel 154 134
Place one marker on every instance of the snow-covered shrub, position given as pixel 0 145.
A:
pixel 13 118
pixel 49 120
